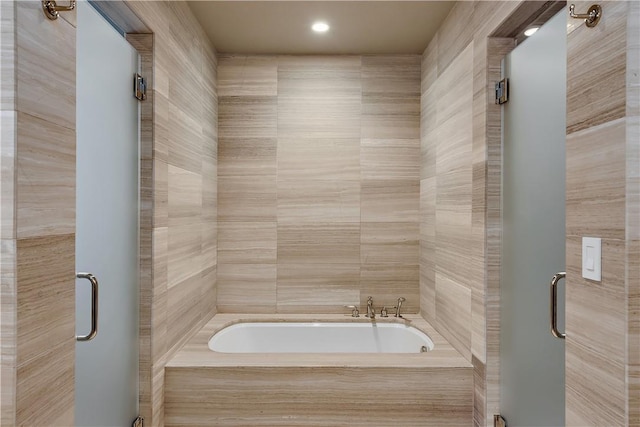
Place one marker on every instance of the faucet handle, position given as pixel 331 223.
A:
pixel 354 310
pixel 384 312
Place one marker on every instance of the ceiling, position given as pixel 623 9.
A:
pixel 357 27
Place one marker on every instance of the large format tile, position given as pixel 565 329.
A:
pixel 49 95
pixel 317 288
pixel 319 244
pixel 594 56
pixel 242 75
pixel 453 310
pixel 46 178
pixel 247 288
pixel 247 242
pixel 596 163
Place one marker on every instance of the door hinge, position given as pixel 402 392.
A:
pixel 138 422
pixel 498 421
pixel 502 91
pixel 139 87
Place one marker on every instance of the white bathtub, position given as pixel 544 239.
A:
pixel 327 337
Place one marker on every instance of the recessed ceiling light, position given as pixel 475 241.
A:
pixel 320 27
pixel 531 31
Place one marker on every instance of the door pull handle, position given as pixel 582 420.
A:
pixel 554 305
pixel 94 306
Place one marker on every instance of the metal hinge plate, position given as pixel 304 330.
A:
pixel 139 87
pixel 138 422
pixel 502 91
pixel 498 421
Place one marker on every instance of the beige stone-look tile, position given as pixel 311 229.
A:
pixel 390 116
pixel 209 189
pixel 428 210
pixel 427 281
pixel 247 198
pixel 184 302
pixel 429 65
pixel 317 288
pixel 595 311
pixel 208 244
pixel 161 125
pixel 453 309
pixel 8 127
pixel 595 55
pixel 386 200
pixel 185 196
pixel 247 156
pixel 319 244
pixel 322 159
pixel 184 256
pixel 596 181
pixel 247 242
pixel 394 74
pixel 389 159
pixel 389 243
pixel 242 75
pixel 50 373
pixel 209 293
pixel 289 396
pixel 455 33
pixel 8 322
pixel 46 187
pixel 318 201
pixel 50 96
pixel 185 139
pixel 319 77
pixel 46 294
pixel 315 117
pixel 595 390
pixel 247 288
pixel 8 56
pixel 388 282
pixel 248 117
pixel 160 187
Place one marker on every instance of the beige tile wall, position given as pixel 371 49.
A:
pixel 602 318
pixel 459 188
pixel 38 217
pixel 318 182
pixel 180 164
pixel 178 198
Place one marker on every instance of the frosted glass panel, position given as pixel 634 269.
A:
pixel 532 360
pixel 107 223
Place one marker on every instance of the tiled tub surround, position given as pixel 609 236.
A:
pixel 203 387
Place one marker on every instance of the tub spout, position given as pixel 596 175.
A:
pixel 400 301
pixel 371 314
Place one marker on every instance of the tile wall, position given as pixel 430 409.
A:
pixel 603 140
pixel 318 182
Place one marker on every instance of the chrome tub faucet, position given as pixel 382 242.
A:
pixel 371 314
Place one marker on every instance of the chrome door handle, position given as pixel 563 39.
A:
pixel 94 306
pixel 554 305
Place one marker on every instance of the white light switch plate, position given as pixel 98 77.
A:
pixel 592 258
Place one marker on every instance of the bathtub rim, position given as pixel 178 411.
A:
pixel 196 352
pixel 428 343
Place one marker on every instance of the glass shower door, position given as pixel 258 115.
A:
pixel 533 245
pixel 106 223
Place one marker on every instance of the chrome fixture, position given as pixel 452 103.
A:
pixel 383 312
pixel 554 305
pixel 354 310
pixel 94 306
pixel 400 301
pixel 371 314
pixel 591 18
pixel 51 8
